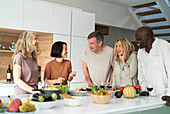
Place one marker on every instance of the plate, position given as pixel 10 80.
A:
pixel 81 93
pixel 7 112
pixel 2 109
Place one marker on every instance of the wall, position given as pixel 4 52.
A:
pixel 116 33
pixel 106 14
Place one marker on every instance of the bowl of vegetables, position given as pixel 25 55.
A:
pixel 101 97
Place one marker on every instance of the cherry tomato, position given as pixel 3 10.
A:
pixel 137 86
pixel 121 88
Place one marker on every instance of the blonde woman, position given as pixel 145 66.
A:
pixel 25 67
pixel 125 64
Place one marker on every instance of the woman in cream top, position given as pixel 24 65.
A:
pixel 125 64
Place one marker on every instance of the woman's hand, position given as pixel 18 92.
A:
pixel 73 74
pixel 33 92
pixel 122 58
pixel 59 80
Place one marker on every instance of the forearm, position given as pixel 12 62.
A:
pixel 87 76
pixel 23 85
pixel 51 82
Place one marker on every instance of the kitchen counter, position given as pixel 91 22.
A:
pixel 116 105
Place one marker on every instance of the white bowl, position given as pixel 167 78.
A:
pixel 43 105
pixel 73 102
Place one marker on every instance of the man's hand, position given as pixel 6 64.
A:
pixel 90 84
pixel 167 99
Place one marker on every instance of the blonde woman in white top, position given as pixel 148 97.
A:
pixel 125 64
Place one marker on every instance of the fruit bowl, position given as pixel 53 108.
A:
pixel 101 99
pixel 43 105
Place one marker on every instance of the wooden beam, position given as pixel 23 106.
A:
pixel 160 27
pixel 145 5
pixel 163 34
pixel 154 20
pixel 149 12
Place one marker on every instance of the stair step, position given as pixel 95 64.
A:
pixel 149 12
pixel 160 27
pixel 154 20
pixel 164 34
pixel 145 5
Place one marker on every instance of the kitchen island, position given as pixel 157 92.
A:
pixel 137 105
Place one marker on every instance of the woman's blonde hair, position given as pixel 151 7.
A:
pixel 24 45
pixel 127 46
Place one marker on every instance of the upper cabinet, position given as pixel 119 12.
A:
pixel 11 14
pixel 62 20
pixel 38 16
pixel 83 23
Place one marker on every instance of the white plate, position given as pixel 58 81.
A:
pixel 81 93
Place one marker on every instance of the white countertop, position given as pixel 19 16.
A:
pixel 118 105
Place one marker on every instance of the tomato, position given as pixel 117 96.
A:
pixel 133 86
pixel 121 88
pixel 137 86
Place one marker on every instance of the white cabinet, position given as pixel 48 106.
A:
pixel 38 16
pixel 77 47
pixel 63 38
pixel 11 14
pixel 62 20
pixel 6 89
pixel 83 23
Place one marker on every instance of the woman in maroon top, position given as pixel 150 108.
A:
pixel 25 68
pixel 59 70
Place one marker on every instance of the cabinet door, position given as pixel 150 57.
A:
pixel 77 47
pixel 83 23
pixel 63 38
pixel 7 89
pixel 11 14
pixel 62 20
pixel 38 16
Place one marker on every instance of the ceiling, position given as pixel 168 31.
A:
pixel 127 3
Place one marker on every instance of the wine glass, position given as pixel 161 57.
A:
pixel 102 85
pixel 109 86
pixel 149 88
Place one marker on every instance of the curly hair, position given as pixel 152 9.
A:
pixel 24 45
pixel 127 46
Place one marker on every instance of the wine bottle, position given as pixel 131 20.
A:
pixel 9 74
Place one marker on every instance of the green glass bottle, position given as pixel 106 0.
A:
pixel 9 74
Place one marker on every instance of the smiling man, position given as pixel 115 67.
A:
pixel 153 62
pixel 97 60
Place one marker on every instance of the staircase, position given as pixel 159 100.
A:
pixel 150 15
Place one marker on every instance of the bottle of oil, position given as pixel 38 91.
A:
pixel 9 74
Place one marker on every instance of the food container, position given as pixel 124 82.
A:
pixel 101 99
pixel 73 102
pixel 44 105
